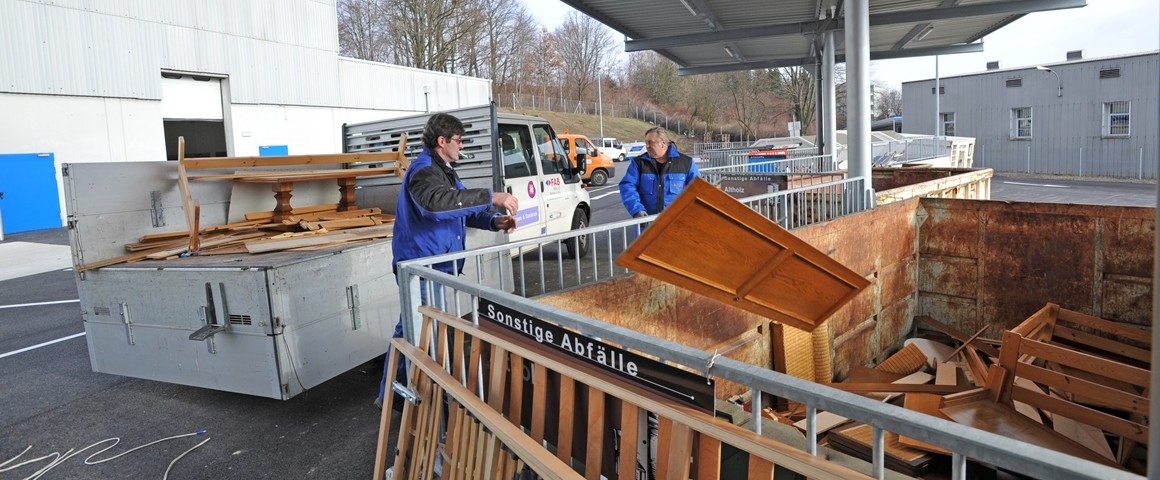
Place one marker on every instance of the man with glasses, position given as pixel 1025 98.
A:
pixel 656 177
pixel 435 209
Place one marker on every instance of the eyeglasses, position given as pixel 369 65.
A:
pixel 458 139
pixel 656 142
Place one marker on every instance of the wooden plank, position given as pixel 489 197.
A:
pixel 1079 413
pixel 1117 329
pixel 496 384
pixel 566 419
pixel 976 365
pixel 515 410
pixel 674 449
pixel 760 468
pixel 539 401
pixel 708 460
pixel 923 403
pixel 806 289
pixel 1101 343
pixel 1110 397
pixel 1037 325
pixel 1087 362
pixel 328 207
pixel 1091 437
pixel 593 456
pixel 283 160
pixel 297 175
pixel 947 374
pixel 905 361
pixel 269 245
pixel 957 335
pixel 629 439
pixel 385 419
pixel 1002 420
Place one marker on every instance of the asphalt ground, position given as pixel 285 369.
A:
pixel 52 401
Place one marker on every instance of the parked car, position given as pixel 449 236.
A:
pixel 599 167
pixel 611 147
pixel 634 149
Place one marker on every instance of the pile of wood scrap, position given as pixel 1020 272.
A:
pixel 311 227
pixel 1062 380
pixel 284 227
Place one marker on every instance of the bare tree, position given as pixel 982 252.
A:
pixel 505 40
pixel 434 34
pixel 655 75
pixel 748 91
pixel 797 86
pixel 888 103
pixel 585 45
pixel 364 29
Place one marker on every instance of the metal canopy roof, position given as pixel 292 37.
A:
pixel 707 36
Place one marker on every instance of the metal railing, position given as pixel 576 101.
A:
pixel 541 266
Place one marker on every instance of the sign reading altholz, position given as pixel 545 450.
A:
pixel 686 387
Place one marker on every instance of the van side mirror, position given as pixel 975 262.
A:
pixel 581 164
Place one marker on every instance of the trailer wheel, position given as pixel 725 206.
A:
pixel 578 246
pixel 599 177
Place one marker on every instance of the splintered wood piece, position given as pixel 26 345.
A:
pixel 733 254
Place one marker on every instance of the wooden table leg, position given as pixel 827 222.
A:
pixel 346 201
pixel 282 210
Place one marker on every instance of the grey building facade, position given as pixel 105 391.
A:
pixel 1086 117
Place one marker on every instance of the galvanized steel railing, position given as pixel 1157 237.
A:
pixel 540 266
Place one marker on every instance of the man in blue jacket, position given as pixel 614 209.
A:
pixel 655 178
pixel 435 209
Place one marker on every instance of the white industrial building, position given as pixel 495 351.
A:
pixel 119 80
pixel 1083 116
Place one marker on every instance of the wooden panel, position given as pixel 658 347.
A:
pixel 733 254
pixel 993 417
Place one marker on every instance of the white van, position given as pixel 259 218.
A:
pixel 610 147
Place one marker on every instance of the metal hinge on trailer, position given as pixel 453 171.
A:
pixel 213 325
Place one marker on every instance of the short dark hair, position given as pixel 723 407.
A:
pixel 441 125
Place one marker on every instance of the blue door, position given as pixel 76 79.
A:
pixel 28 196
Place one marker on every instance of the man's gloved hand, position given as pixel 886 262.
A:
pixel 641 213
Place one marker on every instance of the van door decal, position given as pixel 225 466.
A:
pixel 532 189
pixel 528 216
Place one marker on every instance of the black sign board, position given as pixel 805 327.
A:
pixel 681 385
pixel 741 185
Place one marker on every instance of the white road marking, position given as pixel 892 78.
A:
pixel 1037 185
pixel 45 344
pixel 58 302
pixel 598 197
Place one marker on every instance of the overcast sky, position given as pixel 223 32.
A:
pixel 1102 28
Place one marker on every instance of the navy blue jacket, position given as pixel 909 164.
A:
pixel 434 211
pixel 641 187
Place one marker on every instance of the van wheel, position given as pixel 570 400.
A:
pixel 599 177
pixel 578 246
pixel 620 158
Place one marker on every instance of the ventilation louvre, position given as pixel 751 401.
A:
pixel 1110 72
pixel 1014 82
pixel 236 319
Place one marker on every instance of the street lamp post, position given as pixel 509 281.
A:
pixel 1058 81
pixel 600 102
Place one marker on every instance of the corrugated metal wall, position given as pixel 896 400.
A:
pixel 1067 131
pixel 282 52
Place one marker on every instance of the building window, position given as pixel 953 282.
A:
pixel 948 122
pixel 1117 119
pixel 1021 123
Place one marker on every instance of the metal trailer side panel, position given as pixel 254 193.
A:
pixel 332 314
pixel 138 321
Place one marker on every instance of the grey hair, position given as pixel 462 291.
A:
pixel 660 133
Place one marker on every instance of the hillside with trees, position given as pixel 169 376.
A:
pixel 577 68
